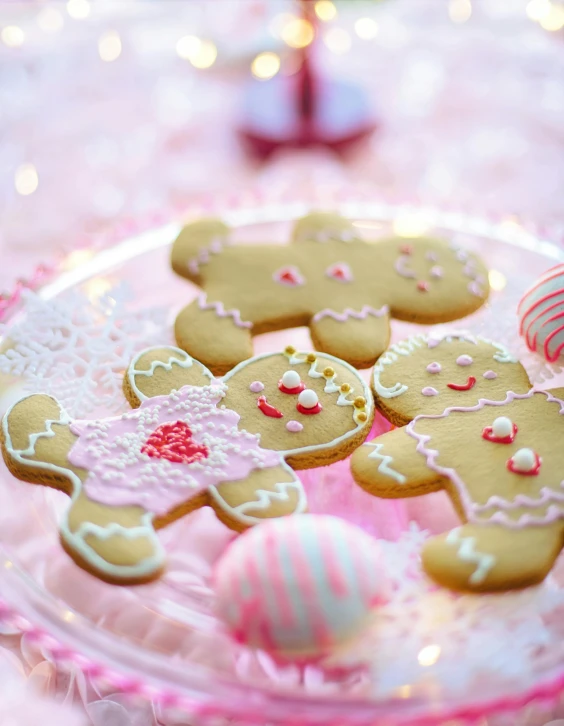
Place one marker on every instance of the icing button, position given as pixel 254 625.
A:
pixel 526 462
pixel 308 402
pixel 291 383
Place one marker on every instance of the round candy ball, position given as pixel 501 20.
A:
pixel 541 314
pixel 298 586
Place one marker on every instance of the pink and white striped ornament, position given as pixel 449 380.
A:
pixel 298 586
pixel 541 314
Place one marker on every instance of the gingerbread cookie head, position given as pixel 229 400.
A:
pixel 309 406
pixel 344 288
pixel 502 463
pixel 429 373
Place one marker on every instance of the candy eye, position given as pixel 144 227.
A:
pixel 464 360
pixel 291 383
pixel 502 431
pixel 434 367
pixel 308 402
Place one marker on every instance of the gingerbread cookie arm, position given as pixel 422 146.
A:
pixel 195 246
pixel 391 467
pixel 489 558
pixel 160 370
pixel 216 336
pixel 357 336
pixel 265 494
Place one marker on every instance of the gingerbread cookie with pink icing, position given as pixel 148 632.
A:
pixel 191 440
pixel 344 288
pixel 501 461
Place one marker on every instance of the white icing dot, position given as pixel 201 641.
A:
pixel 308 398
pixel 291 379
pixel 524 460
pixel 502 427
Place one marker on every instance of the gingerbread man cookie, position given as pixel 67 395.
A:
pixel 191 441
pixel 486 439
pixel 346 290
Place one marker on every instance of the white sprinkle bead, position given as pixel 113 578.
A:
pixel 524 460
pixel 502 427
pixel 308 398
pixel 291 379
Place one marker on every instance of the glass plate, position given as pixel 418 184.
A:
pixel 430 655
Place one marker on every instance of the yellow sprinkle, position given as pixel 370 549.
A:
pixel 289 350
pixel 345 388
pixel 328 372
pixel 362 416
pixel 311 358
pixel 359 402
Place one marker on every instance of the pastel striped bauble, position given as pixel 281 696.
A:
pixel 298 586
pixel 541 314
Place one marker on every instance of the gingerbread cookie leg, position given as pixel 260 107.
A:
pixel 357 336
pixel 391 467
pixel 117 544
pixel 488 558
pixel 216 336
pixel 265 494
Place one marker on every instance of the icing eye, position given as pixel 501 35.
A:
pixel 429 391
pixel 291 383
pixel 436 271
pixel 256 387
pixel 434 367
pixel 526 462
pixel 464 360
pixel 289 276
pixel 308 402
pixel 489 375
pixel 502 431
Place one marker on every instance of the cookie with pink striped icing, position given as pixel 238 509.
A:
pixel 541 314
pixel 298 587
pixel 190 441
pixel 345 289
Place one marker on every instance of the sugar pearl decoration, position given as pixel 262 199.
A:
pixel 308 398
pixel 291 379
pixel 298 586
pixel 524 460
pixel 503 427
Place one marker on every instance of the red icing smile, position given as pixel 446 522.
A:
pixel 173 441
pixel 465 386
pixel 488 434
pixel 267 409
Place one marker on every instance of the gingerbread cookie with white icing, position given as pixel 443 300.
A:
pixel 345 289
pixel 190 441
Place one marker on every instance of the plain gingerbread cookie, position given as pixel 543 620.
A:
pixel 191 441
pixel 345 289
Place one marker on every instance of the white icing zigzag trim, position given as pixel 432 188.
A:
pixel 385 461
pixel 467 552
pixel 264 499
pixel 221 312
pixel 216 246
pixel 350 313
pixel 185 361
pixel 75 540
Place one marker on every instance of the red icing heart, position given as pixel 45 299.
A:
pixel 289 276
pixel 173 441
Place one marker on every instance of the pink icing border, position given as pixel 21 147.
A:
pixel 350 313
pixel 469 507
pixel 221 312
